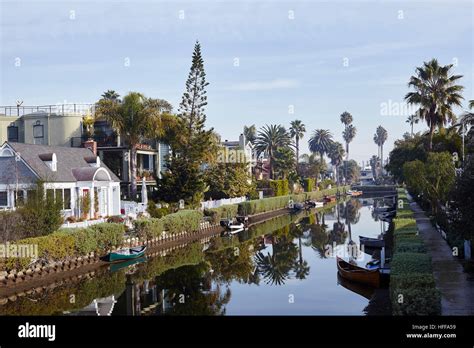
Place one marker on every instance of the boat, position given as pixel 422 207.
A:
pixel 126 254
pixel 296 206
pixel 374 264
pixel 314 204
pixel 372 242
pixel 353 193
pixel 121 265
pixel 329 199
pixel 384 209
pixel 363 290
pixel 358 274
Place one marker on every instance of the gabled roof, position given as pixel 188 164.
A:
pixel 12 172
pixel 69 160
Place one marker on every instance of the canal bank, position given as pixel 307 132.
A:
pixel 457 292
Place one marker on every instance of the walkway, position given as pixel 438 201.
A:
pixel 457 293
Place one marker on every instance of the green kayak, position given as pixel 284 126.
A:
pixel 126 254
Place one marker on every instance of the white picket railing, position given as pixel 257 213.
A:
pixel 81 224
pixel 220 202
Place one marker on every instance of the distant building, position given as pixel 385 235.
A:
pixel 68 173
pixel 239 151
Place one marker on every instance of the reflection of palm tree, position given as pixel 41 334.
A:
pixel 352 214
pixel 301 268
pixel 275 268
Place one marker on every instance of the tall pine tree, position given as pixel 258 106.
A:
pixel 185 178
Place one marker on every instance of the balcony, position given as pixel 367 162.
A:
pixel 102 140
pixel 57 109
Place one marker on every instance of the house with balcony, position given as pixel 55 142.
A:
pixel 68 173
pixel 63 125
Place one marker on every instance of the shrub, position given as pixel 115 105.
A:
pixel 404 223
pixel 147 229
pixel 116 219
pixel 183 220
pixel 416 301
pixel 156 212
pixel 222 212
pixel 308 184
pixel 279 187
pixel 108 235
pixel 409 246
pixel 85 239
pixel 406 263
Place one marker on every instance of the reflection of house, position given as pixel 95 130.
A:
pixel 69 173
pixel 62 125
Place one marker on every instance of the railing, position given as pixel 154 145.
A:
pixel 220 202
pixel 58 109
pixel 102 140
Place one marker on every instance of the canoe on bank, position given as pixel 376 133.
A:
pixel 126 254
pixel 358 274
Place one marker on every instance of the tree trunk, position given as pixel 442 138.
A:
pixel 412 129
pixel 297 152
pixel 133 170
pixel 431 137
pixel 381 158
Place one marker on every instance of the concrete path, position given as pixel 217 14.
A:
pixel 457 293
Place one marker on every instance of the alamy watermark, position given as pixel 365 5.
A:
pixel 8 250
pixel 394 108
pixel 232 156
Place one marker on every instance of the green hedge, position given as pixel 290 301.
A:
pixel 308 184
pixel 406 263
pixel 147 229
pixel 274 203
pixel 184 220
pixel 71 242
pixel 108 235
pixel 223 212
pixel 412 285
pixel 279 187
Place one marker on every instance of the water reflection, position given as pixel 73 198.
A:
pixel 251 273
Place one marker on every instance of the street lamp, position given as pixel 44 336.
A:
pixel 19 102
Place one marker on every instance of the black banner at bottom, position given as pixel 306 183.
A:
pixel 236 330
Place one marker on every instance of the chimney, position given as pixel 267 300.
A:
pixel 91 145
pixel 242 140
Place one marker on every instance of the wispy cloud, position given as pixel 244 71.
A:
pixel 264 85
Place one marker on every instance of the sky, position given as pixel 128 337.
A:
pixel 267 62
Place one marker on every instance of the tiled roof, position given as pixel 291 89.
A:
pixel 68 158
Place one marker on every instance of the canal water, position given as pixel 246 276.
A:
pixel 284 266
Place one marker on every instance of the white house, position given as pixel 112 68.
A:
pixel 68 172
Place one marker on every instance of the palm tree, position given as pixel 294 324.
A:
pixel 380 137
pixel 135 118
pixel 320 142
pixel 436 92
pixel 297 130
pixel 336 154
pixel 349 134
pixel 346 118
pixel 110 95
pixel 250 133
pixel 412 119
pixel 269 139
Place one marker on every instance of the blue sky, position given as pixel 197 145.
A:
pixel 318 58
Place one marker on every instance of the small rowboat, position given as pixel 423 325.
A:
pixel 372 242
pixel 358 274
pixel 126 254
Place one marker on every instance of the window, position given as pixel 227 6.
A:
pixel 67 199
pixel 12 132
pixel 50 195
pixel 3 198
pixel 38 130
